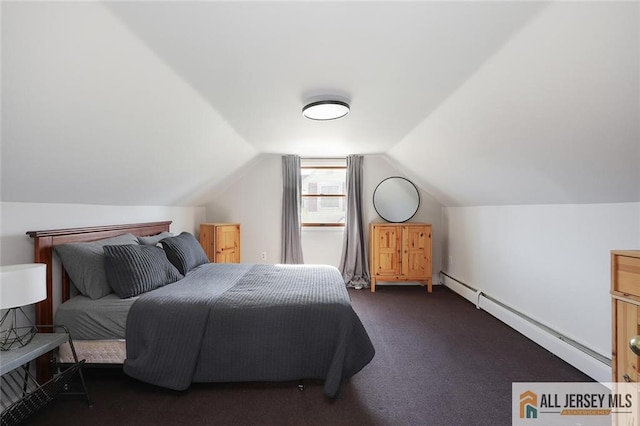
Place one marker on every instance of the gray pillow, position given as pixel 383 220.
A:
pixel 133 270
pixel 84 263
pixel 184 252
pixel 154 239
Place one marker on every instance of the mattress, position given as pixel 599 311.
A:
pixel 100 319
pixel 95 351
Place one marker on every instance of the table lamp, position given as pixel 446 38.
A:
pixel 20 285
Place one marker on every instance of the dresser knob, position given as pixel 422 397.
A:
pixel 626 378
pixel 634 345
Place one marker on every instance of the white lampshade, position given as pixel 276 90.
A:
pixel 22 285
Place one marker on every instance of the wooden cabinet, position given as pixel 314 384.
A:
pixel 400 252
pixel 221 242
pixel 625 292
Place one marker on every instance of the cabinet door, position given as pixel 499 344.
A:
pixel 627 317
pixel 387 255
pixel 416 251
pixel 228 244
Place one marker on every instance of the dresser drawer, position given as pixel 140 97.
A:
pixel 626 275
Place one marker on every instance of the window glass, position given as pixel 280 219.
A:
pixel 323 192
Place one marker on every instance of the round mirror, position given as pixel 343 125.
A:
pixel 396 199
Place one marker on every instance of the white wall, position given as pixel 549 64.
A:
pixel 550 262
pixel 17 219
pixel 254 199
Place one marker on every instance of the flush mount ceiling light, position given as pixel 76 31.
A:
pixel 325 110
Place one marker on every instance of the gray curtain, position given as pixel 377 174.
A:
pixel 354 263
pixel 291 200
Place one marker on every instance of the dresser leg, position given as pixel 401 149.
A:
pixel 373 285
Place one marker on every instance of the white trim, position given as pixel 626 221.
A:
pixel 584 362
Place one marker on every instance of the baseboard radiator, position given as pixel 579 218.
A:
pixel 578 355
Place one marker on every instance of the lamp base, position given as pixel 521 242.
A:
pixel 15 336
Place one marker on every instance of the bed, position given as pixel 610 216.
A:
pixel 210 322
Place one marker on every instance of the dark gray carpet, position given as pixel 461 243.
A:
pixel 439 361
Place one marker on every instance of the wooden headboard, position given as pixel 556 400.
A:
pixel 45 241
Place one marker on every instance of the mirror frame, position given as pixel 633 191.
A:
pixel 417 204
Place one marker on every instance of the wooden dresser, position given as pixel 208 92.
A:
pixel 221 242
pixel 400 252
pixel 625 293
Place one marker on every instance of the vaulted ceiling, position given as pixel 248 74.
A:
pixel 481 103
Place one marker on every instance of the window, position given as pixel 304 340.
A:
pixel 324 191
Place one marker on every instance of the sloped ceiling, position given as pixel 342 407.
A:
pixel 481 102
pixel 552 117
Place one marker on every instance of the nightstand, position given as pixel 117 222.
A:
pixel 22 394
pixel 221 242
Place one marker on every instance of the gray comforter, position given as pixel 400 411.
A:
pixel 240 322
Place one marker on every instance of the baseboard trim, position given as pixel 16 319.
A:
pixel 592 364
